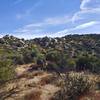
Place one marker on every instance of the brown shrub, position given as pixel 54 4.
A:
pixel 35 95
pixel 47 79
pixel 73 85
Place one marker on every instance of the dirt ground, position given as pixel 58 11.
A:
pixel 35 85
pixel 29 86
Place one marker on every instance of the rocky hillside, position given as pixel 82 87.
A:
pixel 72 43
pixel 48 51
pixel 66 68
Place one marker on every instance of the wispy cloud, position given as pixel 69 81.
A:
pixel 41 26
pixel 58 20
pixel 17 1
pixel 86 25
pixel 51 21
pixel 79 27
pixel 89 4
pixel 84 3
pixel 28 11
pixel 87 7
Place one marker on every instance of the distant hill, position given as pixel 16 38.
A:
pixel 72 44
pixel 76 43
pixel 64 51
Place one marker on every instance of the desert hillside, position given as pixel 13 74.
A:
pixel 66 68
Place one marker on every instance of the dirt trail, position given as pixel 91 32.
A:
pixel 21 69
pixel 35 85
pixel 91 96
pixel 48 91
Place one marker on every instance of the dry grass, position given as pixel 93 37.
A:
pixel 35 95
pixel 74 85
pixel 91 96
pixel 31 75
pixel 41 85
pixel 48 79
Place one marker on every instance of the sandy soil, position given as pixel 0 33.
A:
pixel 35 85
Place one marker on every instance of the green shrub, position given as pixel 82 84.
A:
pixel 52 67
pixel 53 56
pixel 88 62
pixel 18 60
pixel 57 57
pixel 6 71
pixel 83 63
pixel 71 64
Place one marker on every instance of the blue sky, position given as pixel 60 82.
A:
pixel 38 18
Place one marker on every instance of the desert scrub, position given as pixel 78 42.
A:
pixel 34 95
pixel 6 70
pixel 97 80
pixel 73 85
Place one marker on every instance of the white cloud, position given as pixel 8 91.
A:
pixel 51 21
pixel 79 27
pixel 60 33
pixel 86 25
pixel 90 4
pixel 27 30
pixel 34 25
pixel 39 27
pixel 83 4
pixel 87 7
pixel 57 20
pixel 89 10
